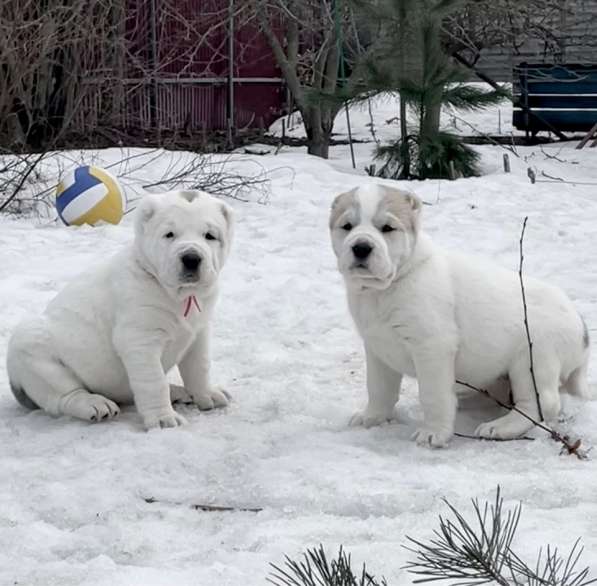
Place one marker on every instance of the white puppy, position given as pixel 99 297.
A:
pixel 110 336
pixel 445 317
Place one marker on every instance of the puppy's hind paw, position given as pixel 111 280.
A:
pixel 431 438
pixel 213 398
pixel 367 418
pixel 510 426
pixel 103 408
pixel 89 406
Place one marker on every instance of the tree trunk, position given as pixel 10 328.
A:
pixel 404 146
pixel 431 116
pixel 319 148
pixel 318 132
pixel 318 140
pixel 428 132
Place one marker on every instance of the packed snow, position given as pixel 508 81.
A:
pixel 109 504
pixel 378 119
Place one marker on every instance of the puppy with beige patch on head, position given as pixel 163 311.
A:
pixel 443 317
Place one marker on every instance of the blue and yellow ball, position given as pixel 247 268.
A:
pixel 88 195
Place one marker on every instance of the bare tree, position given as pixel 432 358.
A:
pixel 46 49
pixel 518 27
pixel 82 69
pixel 314 43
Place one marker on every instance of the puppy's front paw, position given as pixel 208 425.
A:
pixel 179 394
pixel 213 398
pixel 431 438
pixel 369 418
pixel 169 418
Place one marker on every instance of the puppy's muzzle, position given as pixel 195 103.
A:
pixel 191 264
pixel 361 250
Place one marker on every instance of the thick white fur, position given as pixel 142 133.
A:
pixel 111 336
pixel 444 317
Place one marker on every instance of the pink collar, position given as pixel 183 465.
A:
pixel 188 305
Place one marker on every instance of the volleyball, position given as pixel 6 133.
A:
pixel 88 195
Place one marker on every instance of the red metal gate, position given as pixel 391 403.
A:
pixel 188 65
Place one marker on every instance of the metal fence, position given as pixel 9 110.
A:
pixel 186 65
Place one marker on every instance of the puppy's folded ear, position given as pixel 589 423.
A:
pixel 340 204
pixel 228 214
pixel 415 203
pixel 416 206
pixel 146 210
pixel 405 205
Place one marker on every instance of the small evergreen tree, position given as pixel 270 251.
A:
pixel 410 60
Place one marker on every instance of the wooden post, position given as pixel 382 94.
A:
pixel 506 163
pixel 451 170
pixel 354 165
pixel 203 137
pixel 370 170
pixel 283 137
pixel 587 137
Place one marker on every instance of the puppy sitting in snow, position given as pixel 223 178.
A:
pixel 110 337
pixel 444 317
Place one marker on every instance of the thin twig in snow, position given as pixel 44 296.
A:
pixel 495 439
pixel 372 122
pixel 205 507
pixel 526 323
pixel 486 136
pixel 568 446
pixel 544 174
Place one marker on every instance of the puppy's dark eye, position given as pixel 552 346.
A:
pixel 169 235
pixel 347 227
pixel 210 236
pixel 387 228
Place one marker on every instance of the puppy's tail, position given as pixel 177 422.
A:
pixel 577 383
pixel 22 397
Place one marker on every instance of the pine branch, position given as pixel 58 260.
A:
pixel 465 551
pixel 470 554
pixel 315 569
pixel 552 569
pixel 481 551
pixel 470 98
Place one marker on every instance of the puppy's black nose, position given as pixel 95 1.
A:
pixel 361 250
pixel 191 261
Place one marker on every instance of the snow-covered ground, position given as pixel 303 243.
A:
pixel 73 496
pixel 378 119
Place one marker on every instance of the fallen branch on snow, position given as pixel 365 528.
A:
pixel 205 507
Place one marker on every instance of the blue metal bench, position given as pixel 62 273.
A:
pixel 555 98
